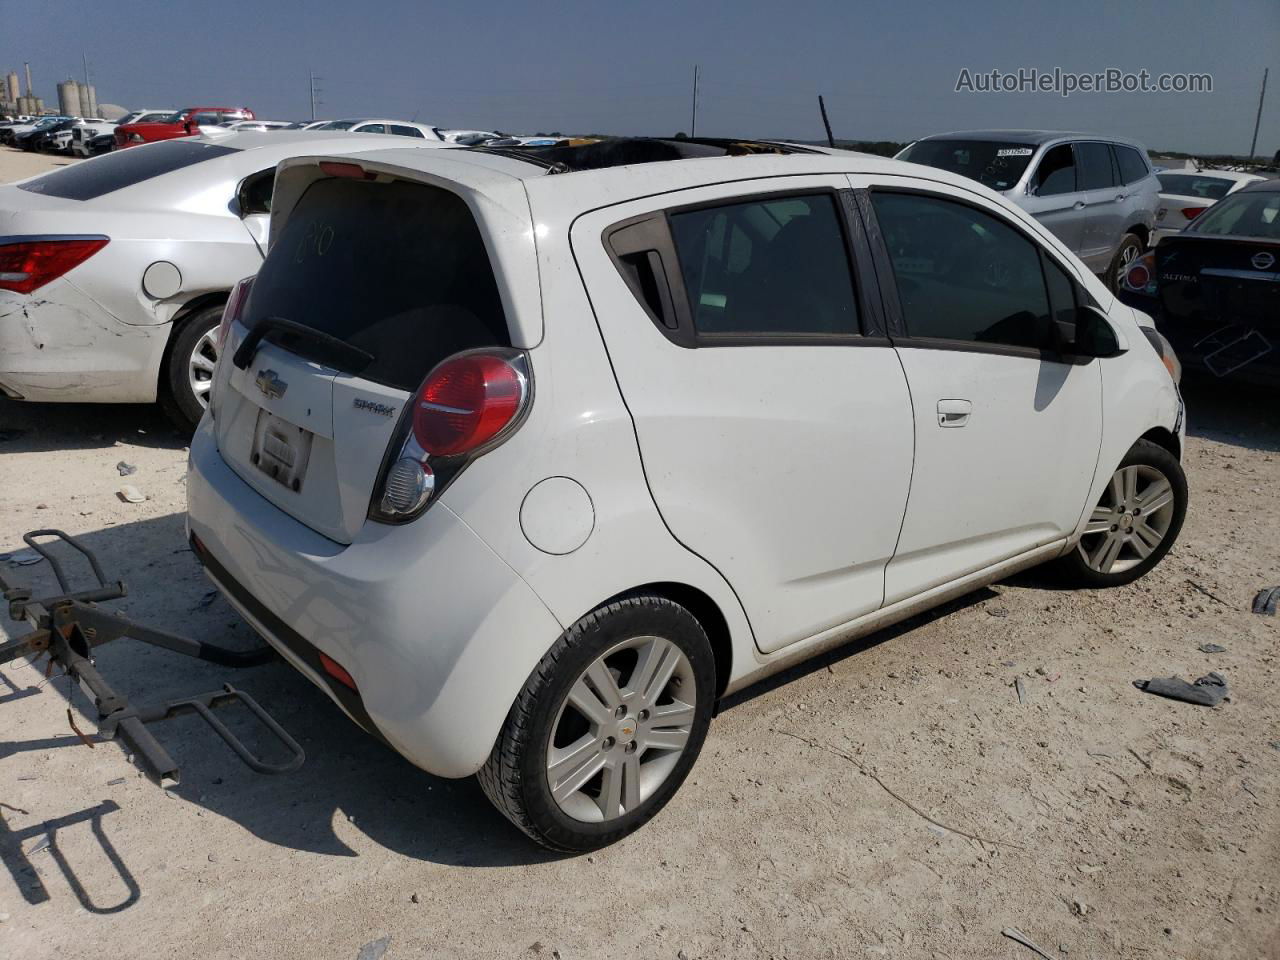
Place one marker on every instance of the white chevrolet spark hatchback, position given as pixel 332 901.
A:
pixel 527 456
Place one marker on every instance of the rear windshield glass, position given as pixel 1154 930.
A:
pixel 123 168
pixel 397 269
pixel 990 162
pixel 1247 214
pixel 1194 185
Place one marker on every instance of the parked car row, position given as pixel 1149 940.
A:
pixel 527 454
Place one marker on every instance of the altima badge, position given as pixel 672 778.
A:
pixel 270 384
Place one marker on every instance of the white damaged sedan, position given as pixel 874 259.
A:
pixel 114 271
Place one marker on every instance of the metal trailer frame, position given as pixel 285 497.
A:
pixel 69 625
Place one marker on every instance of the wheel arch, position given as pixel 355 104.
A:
pixel 185 312
pixel 1165 438
pixel 705 610
pixel 1142 232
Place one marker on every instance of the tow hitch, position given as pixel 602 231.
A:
pixel 70 625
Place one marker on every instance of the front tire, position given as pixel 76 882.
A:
pixel 1130 249
pixel 607 726
pixel 188 370
pixel 1135 522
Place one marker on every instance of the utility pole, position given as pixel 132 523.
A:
pixel 311 74
pixel 693 123
pixel 86 67
pixel 1258 120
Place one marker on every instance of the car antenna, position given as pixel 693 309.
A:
pixel 822 105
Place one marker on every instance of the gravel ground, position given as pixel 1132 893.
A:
pixel 892 799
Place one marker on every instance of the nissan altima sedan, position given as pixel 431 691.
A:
pixel 114 271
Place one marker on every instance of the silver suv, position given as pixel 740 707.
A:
pixel 1097 194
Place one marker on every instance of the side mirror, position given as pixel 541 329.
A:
pixel 1091 335
pixel 253 196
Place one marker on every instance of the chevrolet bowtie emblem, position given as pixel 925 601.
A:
pixel 270 384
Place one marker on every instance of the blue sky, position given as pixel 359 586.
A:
pixel 888 69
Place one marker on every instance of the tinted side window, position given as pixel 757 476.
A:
pixel 400 131
pixel 1062 298
pixel 1095 165
pixel 963 274
pixel 773 266
pixel 1057 172
pixel 1132 166
pixel 372 128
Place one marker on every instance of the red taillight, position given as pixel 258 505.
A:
pixel 234 307
pixel 1138 276
pixel 465 402
pixel 1192 212
pixel 28 265
pixel 336 670
pixel 352 171
pixel 468 403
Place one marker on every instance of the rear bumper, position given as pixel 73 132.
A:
pixel 437 631
pixel 58 345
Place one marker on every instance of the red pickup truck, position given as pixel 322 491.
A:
pixel 184 123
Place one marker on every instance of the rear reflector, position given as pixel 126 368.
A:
pixel 27 265
pixel 1192 212
pixel 336 670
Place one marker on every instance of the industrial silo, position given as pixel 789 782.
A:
pixel 69 99
pixel 89 100
pixel 14 90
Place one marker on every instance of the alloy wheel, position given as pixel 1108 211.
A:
pixel 200 366
pixel 621 729
pixel 1130 521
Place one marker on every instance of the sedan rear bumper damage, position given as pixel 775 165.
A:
pixel 59 345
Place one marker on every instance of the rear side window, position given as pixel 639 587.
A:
pixel 962 274
pixel 1095 165
pixel 123 168
pixel 773 266
pixel 402 131
pixel 1057 172
pixel 1132 167
pixel 397 269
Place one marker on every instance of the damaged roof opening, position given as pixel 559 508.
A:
pixel 597 154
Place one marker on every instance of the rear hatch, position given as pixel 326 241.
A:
pixel 397 270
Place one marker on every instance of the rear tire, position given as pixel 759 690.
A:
pixel 598 741
pixel 188 367
pixel 1135 523
pixel 1130 249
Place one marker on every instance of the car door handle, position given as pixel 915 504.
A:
pixel 1078 205
pixel 1121 196
pixel 954 413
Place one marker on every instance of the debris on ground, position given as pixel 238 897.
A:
pixel 1013 933
pixel 1267 601
pixel 207 599
pixel 131 494
pixel 1021 688
pixel 1211 648
pixel 126 469
pixel 24 558
pixel 374 949
pixel 1208 691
